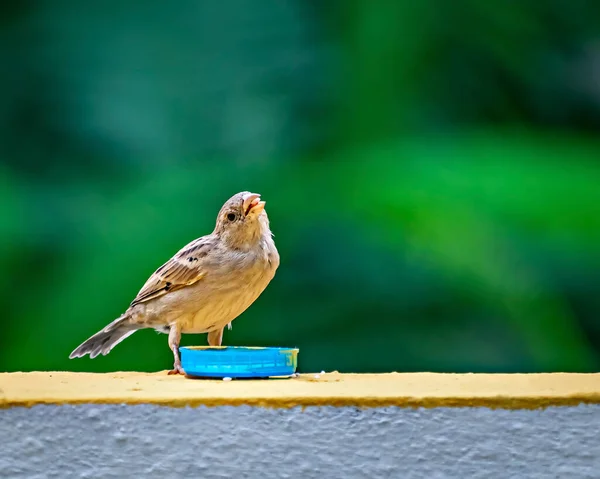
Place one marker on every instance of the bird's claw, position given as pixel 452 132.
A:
pixel 177 369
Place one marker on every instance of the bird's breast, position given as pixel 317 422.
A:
pixel 217 300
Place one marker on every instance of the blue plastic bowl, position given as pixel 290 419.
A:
pixel 238 362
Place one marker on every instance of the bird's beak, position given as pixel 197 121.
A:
pixel 253 204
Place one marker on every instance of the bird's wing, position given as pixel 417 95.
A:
pixel 183 269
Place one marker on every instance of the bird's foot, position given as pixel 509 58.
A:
pixel 177 369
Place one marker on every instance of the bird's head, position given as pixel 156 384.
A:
pixel 243 221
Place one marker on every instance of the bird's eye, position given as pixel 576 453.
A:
pixel 231 216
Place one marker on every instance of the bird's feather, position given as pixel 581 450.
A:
pixel 183 269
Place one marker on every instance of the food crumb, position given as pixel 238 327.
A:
pixel 317 376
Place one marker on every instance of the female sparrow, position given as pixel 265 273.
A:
pixel 205 286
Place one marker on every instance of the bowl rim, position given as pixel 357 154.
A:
pixel 240 348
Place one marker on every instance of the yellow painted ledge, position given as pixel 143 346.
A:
pixel 509 391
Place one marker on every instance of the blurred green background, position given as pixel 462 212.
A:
pixel 431 171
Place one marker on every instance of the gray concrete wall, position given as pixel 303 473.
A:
pixel 93 441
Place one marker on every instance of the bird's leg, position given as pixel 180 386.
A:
pixel 215 337
pixel 174 338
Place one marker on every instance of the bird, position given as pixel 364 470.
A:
pixel 205 286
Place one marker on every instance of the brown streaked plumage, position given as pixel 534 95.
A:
pixel 204 286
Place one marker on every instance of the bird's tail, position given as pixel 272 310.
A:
pixel 103 341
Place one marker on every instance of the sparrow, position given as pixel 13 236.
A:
pixel 204 286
